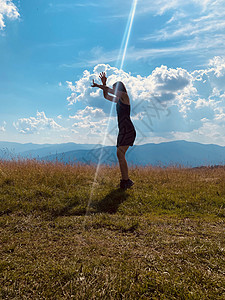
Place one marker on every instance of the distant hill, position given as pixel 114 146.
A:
pixel 18 147
pixel 10 150
pixel 56 149
pixel 179 153
pixel 188 154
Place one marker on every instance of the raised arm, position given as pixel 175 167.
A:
pixel 107 96
pixel 106 89
pixel 103 78
pixel 118 94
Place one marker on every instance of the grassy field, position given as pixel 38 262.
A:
pixel 162 239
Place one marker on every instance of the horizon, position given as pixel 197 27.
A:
pixel 51 50
pixel 110 145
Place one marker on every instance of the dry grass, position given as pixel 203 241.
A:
pixel 162 239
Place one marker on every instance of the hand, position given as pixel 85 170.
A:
pixel 94 84
pixel 103 78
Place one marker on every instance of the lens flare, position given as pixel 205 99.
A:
pixel 120 62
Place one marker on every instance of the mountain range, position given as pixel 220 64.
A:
pixel 178 153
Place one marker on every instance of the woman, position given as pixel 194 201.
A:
pixel 127 131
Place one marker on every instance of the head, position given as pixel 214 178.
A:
pixel 119 86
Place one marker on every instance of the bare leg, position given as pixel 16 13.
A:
pixel 121 151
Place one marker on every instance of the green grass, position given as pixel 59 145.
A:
pixel 162 239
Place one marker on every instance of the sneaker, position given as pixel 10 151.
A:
pixel 122 184
pixel 126 184
pixel 129 183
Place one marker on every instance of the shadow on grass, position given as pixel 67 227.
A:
pixel 110 203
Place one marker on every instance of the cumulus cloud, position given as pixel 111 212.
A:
pixel 3 127
pixel 7 9
pixel 89 111
pixel 165 84
pixel 164 104
pixel 206 111
pixel 210 132
pixel 216 68
pixel 171 79
pixel 90 122
pixel 150 98
pixel 217 65
pixel 36 124
pixel 213 76
pixel 91 128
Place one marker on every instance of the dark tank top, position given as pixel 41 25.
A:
pixel 123 115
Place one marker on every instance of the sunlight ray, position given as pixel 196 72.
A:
pixel 119 64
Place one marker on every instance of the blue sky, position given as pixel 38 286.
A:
pixel 174 70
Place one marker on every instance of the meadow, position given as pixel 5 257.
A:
pixel 162 239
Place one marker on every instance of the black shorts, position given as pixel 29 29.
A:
pixel 126 139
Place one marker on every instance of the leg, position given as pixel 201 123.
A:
pixel 121 151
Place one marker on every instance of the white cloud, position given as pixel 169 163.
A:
pixel 188 28
pixel 72 98
pixel 161 7
pixel 81 88
pixel 7 9
pixel 150 98
pixel 3 127
pixel 36 124
pixel 213 76
pixel 170 80
pixel 162 85
pixel 169 104
pixel 90 121
pixel 211 132
pixel 207 114
pixel 217 65
pixel 88 127
pixel 135 54
pixel 89 111
pixel 196 22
